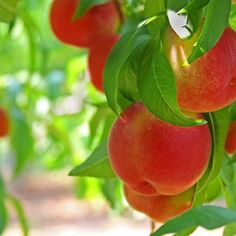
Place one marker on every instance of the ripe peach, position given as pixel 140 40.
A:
pixel 4 123
pixel 98 55
pixel 154 157
pixel 160 208
pixel 230 144
pixel 84 31
pixel 209 83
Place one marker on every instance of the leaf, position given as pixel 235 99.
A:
pixel 232 18
pixel 21 139
pixel 128 75
pixel 233 111
pixel 111 189
pixel 156 8
pixel 157 87
pixel 119 55
pixel 97 165
pixel 21 215
pixel 228 180
pixel 194 5
pixel 176 5
pixel 218 123
pixel 96 121
pixel 216 20
pixel 3 216
pixel 85 5
pixel 3 210
pixel 8 10
pixel 208 217
pixel 213 190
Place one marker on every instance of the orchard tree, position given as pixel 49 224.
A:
pixel 165 132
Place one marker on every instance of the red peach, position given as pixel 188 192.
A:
pixel 153 157
pixel 98 55
pixel 230 144
pixel 209 83
pixel 160 208
pixel 83 32
pixel 4 123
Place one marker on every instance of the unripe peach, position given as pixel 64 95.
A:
pixel 98 55
pixel 84 31
pixel 160 208
pixel 209 83
pixel 4 123
pixel 153 157
pixel 230 144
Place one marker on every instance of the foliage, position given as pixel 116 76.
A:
pixel 58 118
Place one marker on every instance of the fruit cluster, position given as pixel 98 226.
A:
pixel 160 163
pixel 95 30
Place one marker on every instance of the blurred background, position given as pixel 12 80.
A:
pixel 57 119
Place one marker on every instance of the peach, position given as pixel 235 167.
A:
pixel 4 123
pixel 98 55
pixel 84 31
pixel 230 144
pixel 160 208
pixel 209 83
pixel 153 157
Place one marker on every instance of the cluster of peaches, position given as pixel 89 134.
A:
pixel 158 163
pixel 95 30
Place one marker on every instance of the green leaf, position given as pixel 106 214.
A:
pixel 208 217
pixel 97 120
pixel 156 8
pixel 8 10
pixel 118 57
pixel 111 189
pixel 216 20
pixel 176 5
pixel 85 5
pixel 213 190
pixel 3 210
pixel 218 123
pixel 21 215
pixel 128 75
pixel 194 5
pixel 3 216
pixel 232 18
pixel 233 111
pixel 157 87
pixel 21 139
pixel 97 165
pixel 186 232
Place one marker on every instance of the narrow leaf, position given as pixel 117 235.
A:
pixel 97 165
pixel 157 87
pixel 194 5
pixel 218 123
pixel 21 139
pixel 119 55
pixel 208 217
pixel 21 215
pixel 8 10
pixel 216 20
pixel 3 216
pixel 85 5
